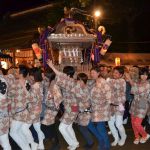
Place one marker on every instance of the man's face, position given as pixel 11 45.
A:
pixel 104 72
pixel 94 74
pixel 101 69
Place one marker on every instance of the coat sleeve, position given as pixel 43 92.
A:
pixel 65 82
pixel 108 93
pixel 81 92
pixel 34 95
pixel 118 91
pixel 134 89
pixel 11 92
pixel 57 95
pixel 122 92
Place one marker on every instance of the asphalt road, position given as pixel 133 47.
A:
pixel 128 145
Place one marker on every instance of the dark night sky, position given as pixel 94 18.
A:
pixel 117 19
pixel 19 5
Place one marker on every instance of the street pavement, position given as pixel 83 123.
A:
pixel 128 145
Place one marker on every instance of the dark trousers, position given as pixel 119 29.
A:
pixel 51 132
pixel 86 134
pixel 100 132
pixel 126 112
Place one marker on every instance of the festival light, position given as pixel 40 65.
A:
pixel 117 61
pixel 97 13
pixel 18 50
pixel 96 16
pixel 4 64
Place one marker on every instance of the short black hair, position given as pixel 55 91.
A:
pixel 143 71
pixel 96 68
pixel 37 74
pixel 102 65
pixel 83 77
pixel 50 74
pixel 120 69
pixel 4 71
pixel 69 71
pixel 31 71
pixel 23 70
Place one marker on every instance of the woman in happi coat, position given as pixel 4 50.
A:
pixel 35 107
pixel 52 101
pixel 71 109
pixel 81 92
pixel 140 105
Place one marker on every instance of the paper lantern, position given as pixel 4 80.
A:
pixel 117 61
pixel 37 50
pixel 105 47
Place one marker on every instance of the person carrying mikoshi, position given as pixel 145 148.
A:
pixel 70 105
pixel 100 96
pixel 35 106
pixel 52 100
pixel 19 93
pixel 4 114
pixel 118 88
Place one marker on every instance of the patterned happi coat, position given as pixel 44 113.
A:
pixel 100 101
pixel 69 99
pixel 82 95
pixel 140 104
pixel 20 96
pixel 84 118
pixel 10 81
pixel 31 81
pixel 118 87
pixel 35 106
pixel 52 101
pixel 4 102
pixel 148 111
pixel 45 84
pixel 91 83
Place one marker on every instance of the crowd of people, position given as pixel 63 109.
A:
pixel 33 100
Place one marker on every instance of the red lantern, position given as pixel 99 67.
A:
pixel 37 50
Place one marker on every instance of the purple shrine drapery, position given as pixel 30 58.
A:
pixel 44 46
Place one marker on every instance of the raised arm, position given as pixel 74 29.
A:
pixel 50 64
pixel 62 79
